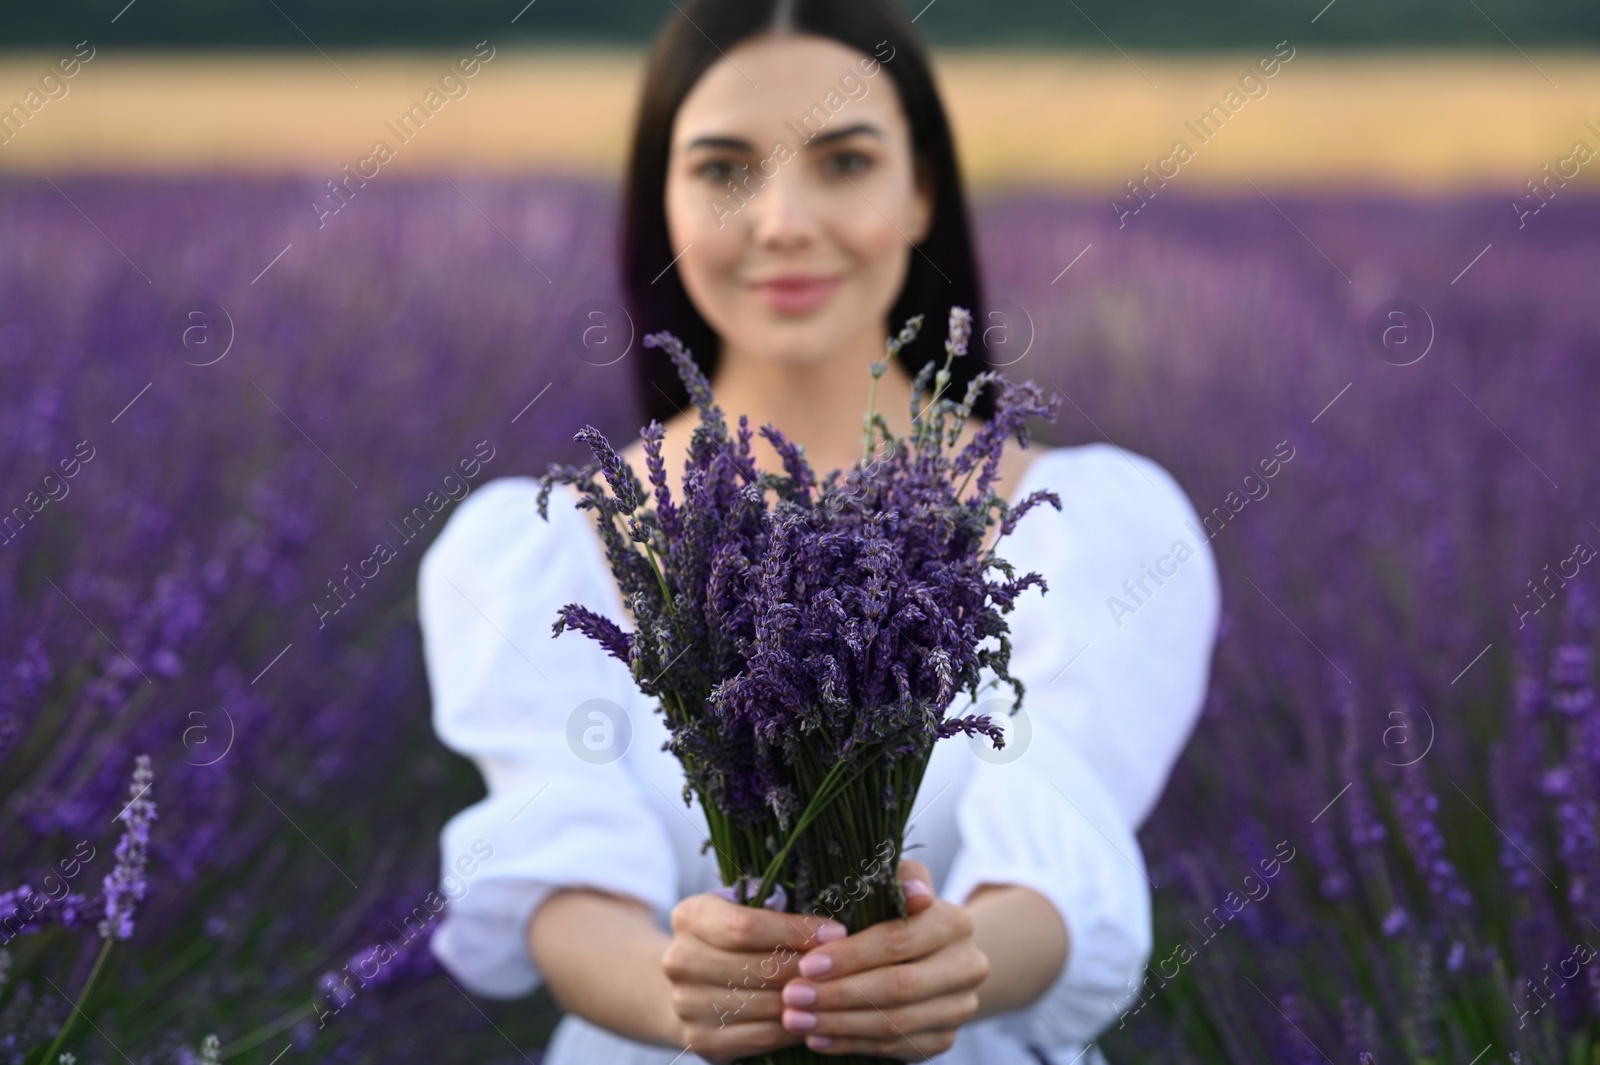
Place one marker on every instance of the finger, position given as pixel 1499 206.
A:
pixel 888 1025
pixel 692 962
pixel 739 1040
pixel 889 942
pixel 922 1047
pixel 955 968
pixel 719 1007
pixel 917 884
pixel 910 869
pixel 731 926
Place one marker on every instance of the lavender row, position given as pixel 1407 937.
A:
pixel 225 582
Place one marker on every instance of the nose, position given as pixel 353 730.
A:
pixel 782 210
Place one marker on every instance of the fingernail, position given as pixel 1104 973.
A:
pixel 819 1042
pixel 816 965
pixel 917 887
pixel 831 931
pixel 799 995
pixel 799 1020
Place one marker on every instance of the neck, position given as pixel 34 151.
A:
pixel 818 404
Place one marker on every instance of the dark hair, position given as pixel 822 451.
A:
pixel 943 270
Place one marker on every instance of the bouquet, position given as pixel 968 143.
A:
pixel 805 638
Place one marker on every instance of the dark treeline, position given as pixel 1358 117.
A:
pixel 1172 24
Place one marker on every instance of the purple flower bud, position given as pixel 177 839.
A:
pixel 125 885
pixel 960 331
pixel 744 889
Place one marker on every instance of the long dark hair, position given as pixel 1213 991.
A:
pixel 943 270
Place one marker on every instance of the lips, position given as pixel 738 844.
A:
pixel 795 295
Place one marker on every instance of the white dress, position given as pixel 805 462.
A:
pixel 581 793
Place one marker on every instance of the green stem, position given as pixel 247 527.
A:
pixel 968 480
pixel 154 984
pixel 77 1007
pixel 853 811
pixel 621 528
pixel 819 799
pixel 267 1031
pixel 655 564
pixel 920 430
pixel 866 423
pixel 826 793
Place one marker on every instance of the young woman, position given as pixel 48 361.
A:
pixel 792 198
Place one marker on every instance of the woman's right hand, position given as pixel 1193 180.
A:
pixel 727 965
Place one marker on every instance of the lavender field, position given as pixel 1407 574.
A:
pixel 210 528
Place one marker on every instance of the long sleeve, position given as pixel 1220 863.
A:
pixel 1114 678
pixel 512 699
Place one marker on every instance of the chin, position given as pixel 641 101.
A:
pixel 796 353
pixel 792 339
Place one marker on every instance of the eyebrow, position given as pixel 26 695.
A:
pixel 742 145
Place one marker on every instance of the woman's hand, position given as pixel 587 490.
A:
pixel 727 964
pixel 898 989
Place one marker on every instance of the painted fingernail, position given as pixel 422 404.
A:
pixel 831 931
pixel 816 965
pixel 819 1042
pixel 917 887
pixel 799 1020
pixel 799 995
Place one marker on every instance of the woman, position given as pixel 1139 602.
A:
pixel 788 207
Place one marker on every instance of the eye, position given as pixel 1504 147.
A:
pixel 716 171
pixel 848 162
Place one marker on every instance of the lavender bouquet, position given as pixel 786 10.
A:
pixel 806 638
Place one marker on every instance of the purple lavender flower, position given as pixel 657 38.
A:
pixel 26 910
pixel 960 332
pixel 600 629
pixel 796 638
pixel 973 725
pixel 125 885
pixel 624 483
pixel 1417 809
pixel 1571 669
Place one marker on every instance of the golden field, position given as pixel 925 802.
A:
pixel 1075 120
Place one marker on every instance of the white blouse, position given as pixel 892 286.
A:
pixel 1115 659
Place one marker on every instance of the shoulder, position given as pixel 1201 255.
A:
pixel 1122 517
pixel 1101 483
pixel 497 529
pixel 493 508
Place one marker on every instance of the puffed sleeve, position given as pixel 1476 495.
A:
pixel 503 694
pixel 1115 676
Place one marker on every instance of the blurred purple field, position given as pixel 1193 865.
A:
pixel 1403 689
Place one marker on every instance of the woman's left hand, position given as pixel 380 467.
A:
pixel 898 989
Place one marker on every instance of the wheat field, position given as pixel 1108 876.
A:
pixel 1067 120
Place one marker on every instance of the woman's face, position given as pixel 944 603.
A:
pixel 808 249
